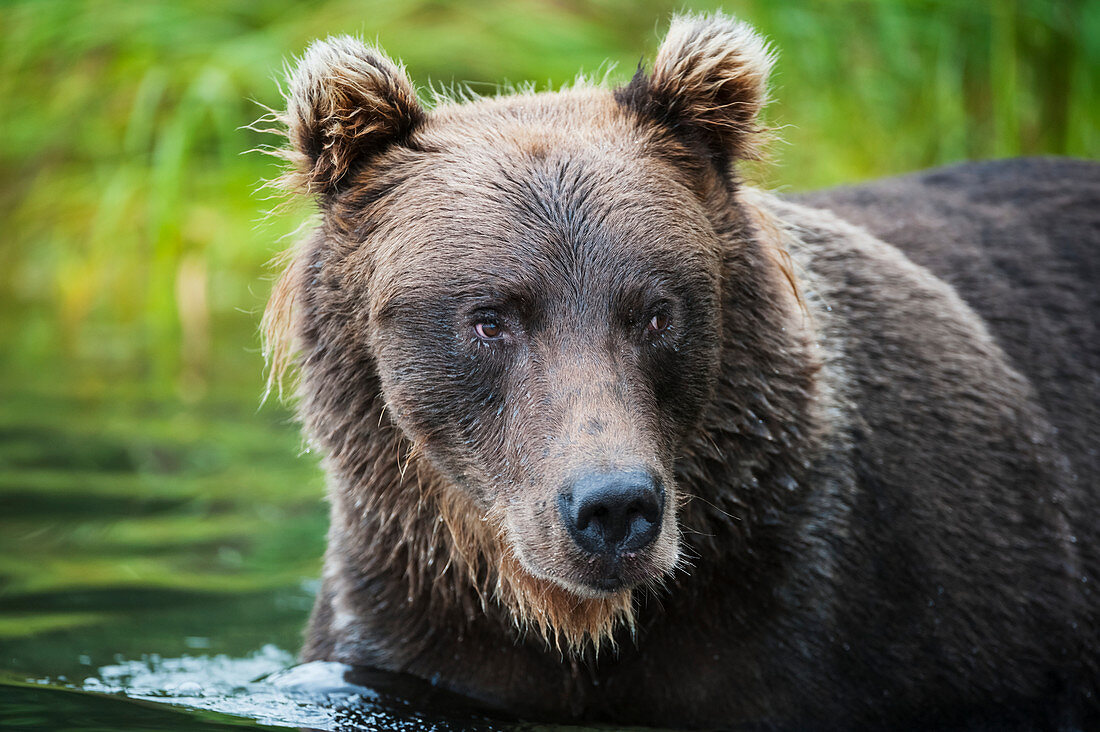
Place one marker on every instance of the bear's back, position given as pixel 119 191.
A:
pixel 1019 240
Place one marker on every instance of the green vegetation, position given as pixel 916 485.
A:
pixel 133 261
pixel 132 235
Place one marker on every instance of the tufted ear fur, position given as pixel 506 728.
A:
pixel 708 85
pixel 346 102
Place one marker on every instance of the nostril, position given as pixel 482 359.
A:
pixel 607 513
pixel 637 508
pixel 600 514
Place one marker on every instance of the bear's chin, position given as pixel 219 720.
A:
pixel 569 616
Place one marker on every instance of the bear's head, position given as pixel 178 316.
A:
pixel 510 319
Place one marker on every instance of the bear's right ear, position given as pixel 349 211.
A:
pixel 709 83
pixel 346 102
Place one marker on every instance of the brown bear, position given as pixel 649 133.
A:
pixel 612 436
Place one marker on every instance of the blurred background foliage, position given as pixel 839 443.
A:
pixel 135 249
pixel 132 234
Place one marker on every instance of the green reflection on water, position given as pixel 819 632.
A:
pixel 30 707
pixel 133 521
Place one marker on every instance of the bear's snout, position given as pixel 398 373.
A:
pixel 612 513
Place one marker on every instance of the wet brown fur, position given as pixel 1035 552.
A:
pixel 869 514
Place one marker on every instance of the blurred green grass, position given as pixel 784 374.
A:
pixel 133 240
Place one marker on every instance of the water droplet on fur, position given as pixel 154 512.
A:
pixel 761 430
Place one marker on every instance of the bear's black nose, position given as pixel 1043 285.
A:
pixel 611 513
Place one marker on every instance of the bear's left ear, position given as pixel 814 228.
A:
pixel 709 83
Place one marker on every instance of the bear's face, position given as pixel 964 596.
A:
pixel 544 323
pixel 531 285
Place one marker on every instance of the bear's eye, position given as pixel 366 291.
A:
pixel 488 330
pixel 657 324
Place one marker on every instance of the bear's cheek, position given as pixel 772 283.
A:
pixel 682 389
pixel 684 377
pixel 456 410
